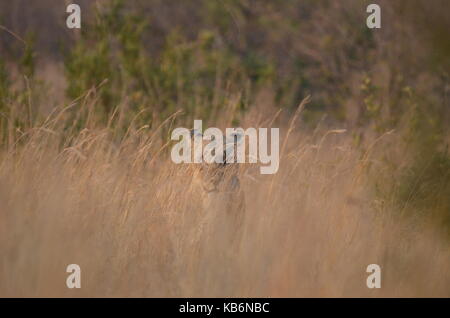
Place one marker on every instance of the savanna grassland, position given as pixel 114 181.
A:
pixel 86 175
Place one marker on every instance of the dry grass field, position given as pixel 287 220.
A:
pixel 86 176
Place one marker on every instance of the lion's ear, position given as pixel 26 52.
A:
pixel 196 133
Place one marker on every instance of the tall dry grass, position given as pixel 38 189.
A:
pixel 135 223
pixel 91 182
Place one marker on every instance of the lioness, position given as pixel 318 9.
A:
pixel 223 199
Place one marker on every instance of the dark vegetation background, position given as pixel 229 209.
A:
pixel 297 48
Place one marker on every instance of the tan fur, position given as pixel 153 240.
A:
pixel 223 202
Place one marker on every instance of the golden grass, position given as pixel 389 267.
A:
pixel 133 222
